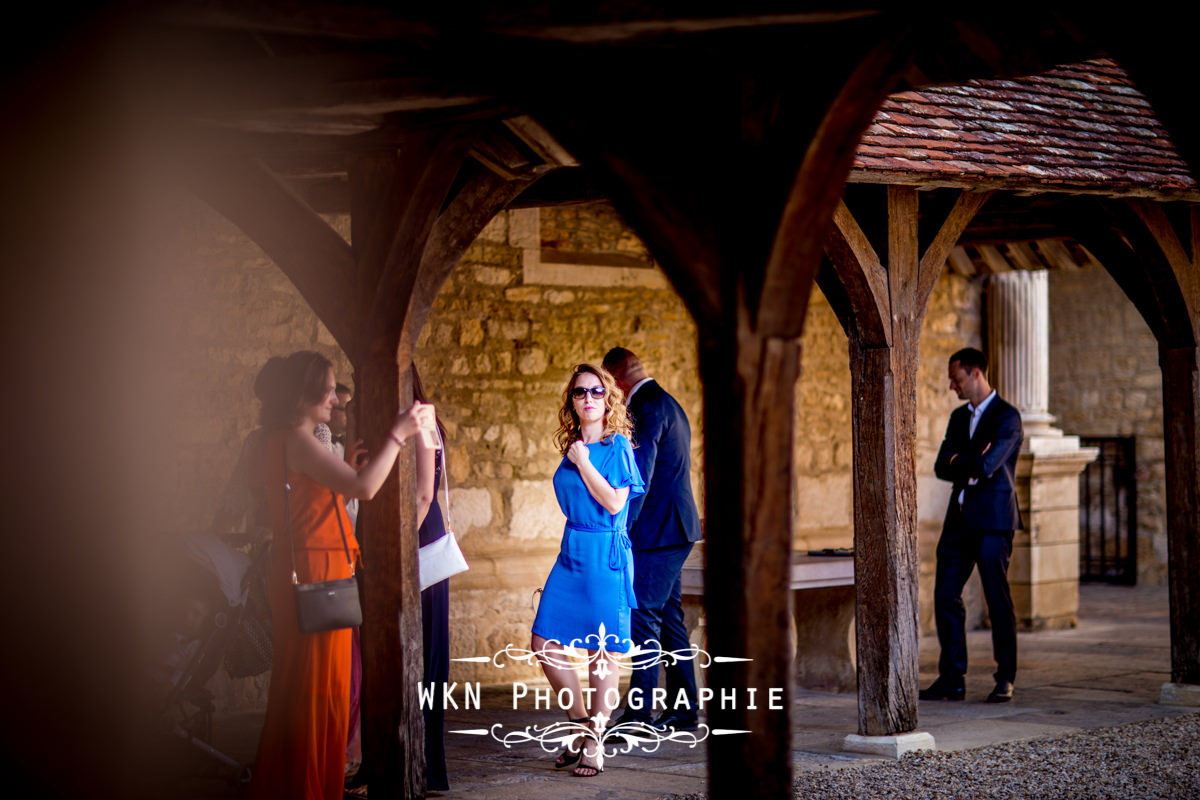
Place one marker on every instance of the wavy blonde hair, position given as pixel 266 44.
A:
pixel 616 416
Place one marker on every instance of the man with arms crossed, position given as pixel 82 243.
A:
pixel 663 524
pixel 979 456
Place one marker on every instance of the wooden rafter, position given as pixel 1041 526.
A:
pixel 796 254
pixel 455 229
pixel 313 255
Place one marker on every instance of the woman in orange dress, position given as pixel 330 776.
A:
pixel 302 751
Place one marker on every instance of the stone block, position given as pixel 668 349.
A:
pixel 1060 526
pixel 470 333
pixel 532 362
pixel 823 502
pixel 535 511
pixel 1054 606
pixel 889 746
pixel 524 228
pixel 1179 694
pixel 1054 491
pixel 1045 563
pixel 472 508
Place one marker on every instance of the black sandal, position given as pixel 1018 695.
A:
pixel 586 770
pixel 568 757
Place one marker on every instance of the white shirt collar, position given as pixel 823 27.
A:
pixel 636 386
pixel 978 411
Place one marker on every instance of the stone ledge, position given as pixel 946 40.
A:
pixel 889 746
pixel 1179 694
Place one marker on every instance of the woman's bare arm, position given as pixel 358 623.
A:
pixel 305 454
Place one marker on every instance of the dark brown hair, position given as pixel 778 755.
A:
pixel 285 386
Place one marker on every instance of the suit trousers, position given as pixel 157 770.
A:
pixel 960 549
pixel 659 618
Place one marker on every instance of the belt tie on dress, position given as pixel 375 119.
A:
pixel 620 554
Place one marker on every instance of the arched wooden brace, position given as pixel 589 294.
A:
pixel 410 237
pixel 882 309
pixel 1139 244
pixel 729 173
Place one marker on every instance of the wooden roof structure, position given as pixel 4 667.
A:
pixel 725 136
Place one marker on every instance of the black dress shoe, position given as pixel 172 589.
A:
pixel 678 721
pixel 1002 693
pixel 942 690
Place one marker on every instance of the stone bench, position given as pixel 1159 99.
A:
pixel 822 615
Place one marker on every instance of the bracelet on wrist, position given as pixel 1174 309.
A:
pixel 392 436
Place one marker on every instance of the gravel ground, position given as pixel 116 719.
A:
pixel 1141 761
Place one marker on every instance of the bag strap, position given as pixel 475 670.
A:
pixel 445 478
pixel 287 516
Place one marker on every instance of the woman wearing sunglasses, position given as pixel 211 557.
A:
pixel 591 583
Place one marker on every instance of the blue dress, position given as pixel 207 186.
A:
pixel 591 583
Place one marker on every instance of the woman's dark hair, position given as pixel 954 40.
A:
pixel 286 385
pixel 419 394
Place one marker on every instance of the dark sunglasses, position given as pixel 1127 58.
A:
pixel 579 391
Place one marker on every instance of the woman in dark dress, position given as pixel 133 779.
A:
pixel 435 603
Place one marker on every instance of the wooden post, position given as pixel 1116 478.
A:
pixel 749 396
pixel 391 654
pixel 882 311
pixel 1141 248
pixel 1181 431
pixel 374 298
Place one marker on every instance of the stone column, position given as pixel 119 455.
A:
pixel 1044 574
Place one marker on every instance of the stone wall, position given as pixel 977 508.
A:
pixel 535 294
pixel 495 356
pixel 231 309
pixel 1105 381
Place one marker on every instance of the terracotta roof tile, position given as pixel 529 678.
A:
pixel 1080 125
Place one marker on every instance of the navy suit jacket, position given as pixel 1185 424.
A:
pixel 666 514
pixel 991 503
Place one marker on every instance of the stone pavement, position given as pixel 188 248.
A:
pixel 1108 671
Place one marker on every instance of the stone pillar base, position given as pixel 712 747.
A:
pixel 1179 694
pixel 889 746
pixel 1044 573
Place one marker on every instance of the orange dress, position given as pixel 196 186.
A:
pixel 302 750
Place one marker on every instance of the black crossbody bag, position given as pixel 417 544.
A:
pixel 324 605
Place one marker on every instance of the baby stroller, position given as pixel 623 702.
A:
pixel 224 619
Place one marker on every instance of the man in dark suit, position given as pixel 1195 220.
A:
pixel 979 456
pixel 663 524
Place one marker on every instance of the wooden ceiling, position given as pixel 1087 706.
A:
pixel 302 85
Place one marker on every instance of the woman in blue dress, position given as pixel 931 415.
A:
pixel 590 587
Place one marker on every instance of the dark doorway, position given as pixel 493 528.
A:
pixel 1108 512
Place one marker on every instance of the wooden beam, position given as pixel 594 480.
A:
pixel 965 208
pixel 486 195
pixel 624 30
pixel 396 198
pixel 1140 248
pixel 1056 254
pixel 540 141
pixel 1178 256
pixel 885 488
pixel 1181 432
pixel 885 310
pixel 796 254
pixel 863 278
pixel 960 262
pixel 313 255
pixel 429 166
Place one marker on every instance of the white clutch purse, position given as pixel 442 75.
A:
pixel 442 557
